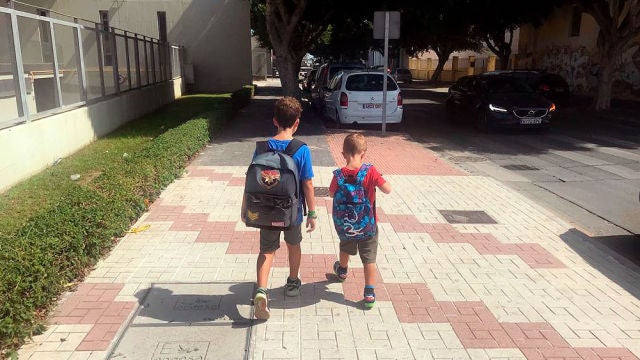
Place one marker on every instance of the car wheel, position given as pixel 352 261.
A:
pixel 482 122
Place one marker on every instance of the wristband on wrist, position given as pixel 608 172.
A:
pixel 312 214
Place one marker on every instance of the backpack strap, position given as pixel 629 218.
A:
pixel 339 176
pixel 262 147
pixel 362 173
pixel 293 146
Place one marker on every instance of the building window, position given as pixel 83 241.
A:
pixel 45 36
pixel 106 38
pixel 162 26
pixel 576 22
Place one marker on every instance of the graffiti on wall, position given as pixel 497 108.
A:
pixel 579 67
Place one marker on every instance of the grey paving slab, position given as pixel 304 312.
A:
pixel 189 321
pixel 235 145
pixel 614 200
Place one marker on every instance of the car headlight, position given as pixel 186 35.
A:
pixel 497 108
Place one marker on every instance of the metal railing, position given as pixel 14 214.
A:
pixel 48 65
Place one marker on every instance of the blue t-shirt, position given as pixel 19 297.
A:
pixel 302 157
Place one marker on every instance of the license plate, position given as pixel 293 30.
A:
pixel 372 106
pixel 531 121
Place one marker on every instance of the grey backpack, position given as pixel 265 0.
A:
pixel 272 192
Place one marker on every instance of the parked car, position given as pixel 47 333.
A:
pixel 325 73
pixel 309 80
pixel 552 86
pixel 499 100
pixel 403 75
pixel 355 97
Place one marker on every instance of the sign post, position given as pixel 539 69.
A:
pixel 386 25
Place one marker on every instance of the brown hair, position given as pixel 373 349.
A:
pixel 287 110
pixel 354 144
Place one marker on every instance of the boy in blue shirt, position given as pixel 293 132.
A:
pixel 286 118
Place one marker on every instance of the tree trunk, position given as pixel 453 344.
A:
pixel 289 67
pixel 504 60
pixel 442 60
pixel 602 100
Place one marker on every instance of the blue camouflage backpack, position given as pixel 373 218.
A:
pixel 353 213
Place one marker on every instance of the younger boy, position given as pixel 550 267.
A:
pixel 356 235
pixel 286 119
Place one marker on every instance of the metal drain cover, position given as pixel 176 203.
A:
pixel 321 191
pixel 467 217
pixel 519 167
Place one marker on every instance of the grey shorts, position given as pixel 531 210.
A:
pixel 367 248
pixel 270 239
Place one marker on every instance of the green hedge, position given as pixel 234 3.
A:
pixel 241 98
pixel 57 243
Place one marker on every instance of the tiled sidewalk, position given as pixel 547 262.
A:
pixel 514 289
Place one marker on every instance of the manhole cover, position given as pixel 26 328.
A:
pixel 321 191
pixel 201 321
pixel 463 159
pixel 467 217
pixel 519 167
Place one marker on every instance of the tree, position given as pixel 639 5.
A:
pixel 290 28
pixel 496 20
pixel 443 26
pixel 619 23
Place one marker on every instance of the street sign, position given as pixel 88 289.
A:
pixel 394 24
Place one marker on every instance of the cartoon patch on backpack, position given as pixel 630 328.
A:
pixel 269 178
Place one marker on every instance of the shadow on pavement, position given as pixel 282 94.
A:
pixel 616 257
pixel 310 294
pixel 165 305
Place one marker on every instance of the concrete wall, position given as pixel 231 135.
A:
pixel 550 47
pixel 261 60
pixel 216 33
pixel 29 148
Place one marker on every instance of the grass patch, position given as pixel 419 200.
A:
pixel 52 228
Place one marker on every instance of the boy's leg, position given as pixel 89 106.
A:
pixel 269 243
pixel 295 256
pixel 263 268
pixel 293 237
pixel 368 250
pixel 340 268
pixel 344 259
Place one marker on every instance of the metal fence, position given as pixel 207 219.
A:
pixel 49 65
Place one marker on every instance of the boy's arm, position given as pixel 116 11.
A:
pixel 333 187
pixel 310 198
pixel 385 188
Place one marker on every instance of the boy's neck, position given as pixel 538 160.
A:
pixel 354 162
pixel 284 134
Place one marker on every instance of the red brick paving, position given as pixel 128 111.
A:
pixel 394 154
pixel 477 328
pixel 210 174
pixel 95 304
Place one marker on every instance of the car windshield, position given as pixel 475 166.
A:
pixel 337 69
pixel 503 84
pixel 369 82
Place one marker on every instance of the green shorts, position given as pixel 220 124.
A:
pixel 270 239
pixel 367 248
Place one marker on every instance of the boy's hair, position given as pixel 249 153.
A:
pixel 354 144
pixel 287 110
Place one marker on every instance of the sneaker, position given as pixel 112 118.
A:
pixel 260 308
pixel 369 297
pixel 339 271
pixel 293 287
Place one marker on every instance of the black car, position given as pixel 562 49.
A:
pixel 552 86
pixel 499 101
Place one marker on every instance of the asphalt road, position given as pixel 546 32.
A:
pixel 585 169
